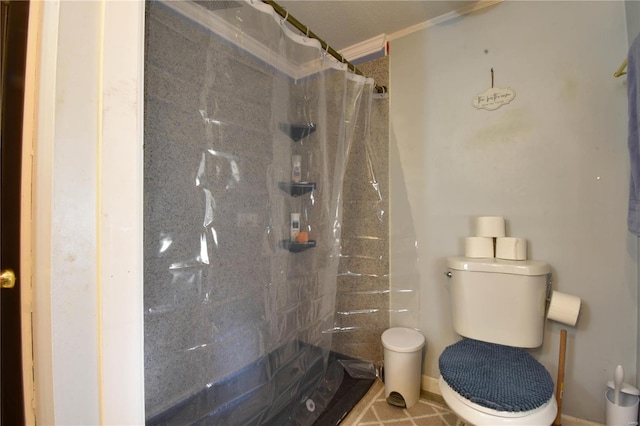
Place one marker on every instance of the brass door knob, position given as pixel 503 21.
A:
pixel 7 279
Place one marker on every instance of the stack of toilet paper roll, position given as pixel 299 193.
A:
pixel 490 240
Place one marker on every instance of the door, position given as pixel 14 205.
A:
pixel 13 31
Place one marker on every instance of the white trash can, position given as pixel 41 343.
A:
pixel 402 365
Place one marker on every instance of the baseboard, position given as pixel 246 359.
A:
pixel 574 421
pixel 430 385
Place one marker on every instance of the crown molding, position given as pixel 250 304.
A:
pixel 474 7
pixel 365 48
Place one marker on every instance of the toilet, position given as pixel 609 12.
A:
pixel 488 377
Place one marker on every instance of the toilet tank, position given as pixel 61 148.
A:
pixel 499 301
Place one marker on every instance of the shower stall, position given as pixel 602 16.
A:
pixel 245 252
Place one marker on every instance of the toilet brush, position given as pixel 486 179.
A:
pixel 560 384
pixel 618 378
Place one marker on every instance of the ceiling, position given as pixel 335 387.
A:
pixel 344 23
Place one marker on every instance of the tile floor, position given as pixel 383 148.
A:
pixel 373 410
pixel 431 410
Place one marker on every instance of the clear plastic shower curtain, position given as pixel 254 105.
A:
pixel 248 127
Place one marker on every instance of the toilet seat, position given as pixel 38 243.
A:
pixel 498 377
pixel 490 384
pixel 478 415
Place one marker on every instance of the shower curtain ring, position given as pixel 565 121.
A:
pixel 325 51
pixel 285 18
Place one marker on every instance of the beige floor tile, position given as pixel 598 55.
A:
pixel 388 412
pixel 452 419
pixel 431 421
pixel 373 410
pixel 369 416
pixel 407 422
pixel 422 408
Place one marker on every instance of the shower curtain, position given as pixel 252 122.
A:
pixel 241 252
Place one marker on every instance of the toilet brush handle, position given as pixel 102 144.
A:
pixel 618 378
pixel 560 383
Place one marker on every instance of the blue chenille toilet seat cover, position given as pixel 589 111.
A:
pixel 498 377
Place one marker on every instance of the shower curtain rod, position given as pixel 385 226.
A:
pixel 306 31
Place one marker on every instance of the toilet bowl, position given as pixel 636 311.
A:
pixel 477 415
pixel 490 384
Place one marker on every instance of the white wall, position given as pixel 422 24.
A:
pixel 86 216
pixel 554 162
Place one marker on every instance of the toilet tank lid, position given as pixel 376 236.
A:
pixel 518 267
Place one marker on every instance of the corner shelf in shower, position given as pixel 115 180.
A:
pixel 296 189
pixel 295 247
pixel 297 131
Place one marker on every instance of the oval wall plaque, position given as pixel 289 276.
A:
pixel 493 98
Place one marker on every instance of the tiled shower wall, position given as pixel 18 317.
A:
pixel 362 304
pixel 214 294
pixel 183 291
